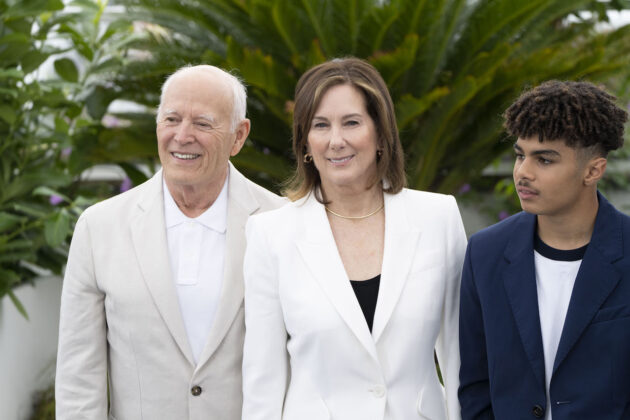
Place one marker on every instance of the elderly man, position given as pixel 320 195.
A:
pixel 152 302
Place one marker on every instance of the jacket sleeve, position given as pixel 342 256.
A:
pixel 265 358
pixel 447 348
pixel 81 378
pixel 474 389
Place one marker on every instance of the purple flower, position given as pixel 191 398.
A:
pixel 266 151
pixel 55 199
pixel 126 184
pixel 503 215
pixel 66 152
pixel 464 189
pixel 110 121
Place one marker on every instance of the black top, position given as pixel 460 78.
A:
pixel 558 254
pixel 367 293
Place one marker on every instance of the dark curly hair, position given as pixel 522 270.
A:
pixel 580 113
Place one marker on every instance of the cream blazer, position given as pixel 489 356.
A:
pixel 120 315
pixel 309 354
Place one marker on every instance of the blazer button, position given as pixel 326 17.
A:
pixel 538 411
pixel 195 390
pixel 378 391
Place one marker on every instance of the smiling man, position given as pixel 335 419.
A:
pixel 152 302
pixel 545 295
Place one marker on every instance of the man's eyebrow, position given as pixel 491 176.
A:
pixel 205 117
pixel 537 152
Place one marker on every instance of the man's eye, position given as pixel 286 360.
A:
pixel 545 161
pixel 519 156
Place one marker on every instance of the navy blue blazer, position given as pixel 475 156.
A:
pixel 502 373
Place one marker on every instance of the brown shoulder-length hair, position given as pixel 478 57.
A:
pixel 308 94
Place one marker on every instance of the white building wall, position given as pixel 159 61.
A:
pixel 28 348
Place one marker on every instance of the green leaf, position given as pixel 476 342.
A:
pixel 409 108
pixel 7 113
pixel 18 304
pixel 32 60
pixel 32 7
pixel 67 70
pixel 47 192
pixel 8 221
pixel 9 277
pixel 98 101
pixel 57 228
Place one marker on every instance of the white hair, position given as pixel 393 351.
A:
pixel 239 92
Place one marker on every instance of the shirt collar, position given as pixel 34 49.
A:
pixel 215 217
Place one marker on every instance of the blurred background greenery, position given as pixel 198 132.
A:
pixel 80 81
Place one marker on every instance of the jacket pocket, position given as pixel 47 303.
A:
pixel 611 313
pixel 302 409
pixel 431 404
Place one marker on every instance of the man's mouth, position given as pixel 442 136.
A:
pixel 185 156
pixel 524 192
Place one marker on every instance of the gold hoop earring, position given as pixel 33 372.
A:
pixel 307 158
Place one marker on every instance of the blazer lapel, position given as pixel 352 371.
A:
pixel 148 234
pixel 596 278
pixel 401 241
pixel 519 280
pixel 319 252
pixel 241 204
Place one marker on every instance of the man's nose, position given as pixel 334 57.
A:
pixel 522 169
pixel 184 134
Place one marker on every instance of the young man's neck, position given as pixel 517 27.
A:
pixel 570 230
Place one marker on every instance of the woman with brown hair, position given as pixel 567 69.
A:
pixel 351 288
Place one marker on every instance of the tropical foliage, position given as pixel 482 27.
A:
pixel 54 64
pixel 452 65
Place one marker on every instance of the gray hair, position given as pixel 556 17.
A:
pixel 239 92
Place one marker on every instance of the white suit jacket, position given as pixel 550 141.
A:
pixel 120 315
pixel 309 354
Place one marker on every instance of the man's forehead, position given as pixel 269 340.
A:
pixel 533 144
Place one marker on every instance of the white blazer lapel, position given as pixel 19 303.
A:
pixel 241 204
pixel 150 243
pixel 319 251
pixel 401 241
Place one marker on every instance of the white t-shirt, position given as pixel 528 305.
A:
pixel 556 271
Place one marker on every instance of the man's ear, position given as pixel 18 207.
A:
pixel 594 170
pixel 242 131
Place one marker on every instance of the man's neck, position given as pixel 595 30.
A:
pixel 571 230
pixel 193 200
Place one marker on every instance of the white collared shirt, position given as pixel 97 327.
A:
pixel 197 250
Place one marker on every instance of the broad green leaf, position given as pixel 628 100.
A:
pixel 67 70
pixel 57 228
pixel 7 113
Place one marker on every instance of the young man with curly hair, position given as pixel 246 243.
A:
pixel 545 295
